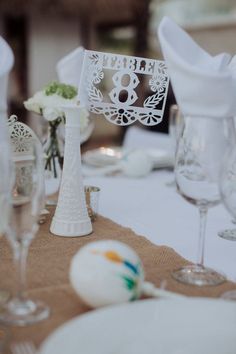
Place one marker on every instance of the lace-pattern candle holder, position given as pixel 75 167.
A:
pixel 21 137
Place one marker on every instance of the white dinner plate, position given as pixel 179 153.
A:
pixel 106 156
pixel 189 326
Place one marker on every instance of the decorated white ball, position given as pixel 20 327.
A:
pixel 137 164
pixel 106 272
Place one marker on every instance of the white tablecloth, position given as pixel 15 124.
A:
pixel 158 212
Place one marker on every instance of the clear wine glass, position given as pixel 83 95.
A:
pixel 228 234
pixel 6 176
pixel 228 195
pixel 176 122
pixel 26 203
pixel 201 149
pixel 175 125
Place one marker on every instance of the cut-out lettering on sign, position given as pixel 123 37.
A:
pixel 124 88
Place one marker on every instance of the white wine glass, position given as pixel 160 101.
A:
pixel 229 233
pixel 228 195
pixel 201 148
pixel 175 125
pixel 6 180
pixel 176 122
pixel 26 203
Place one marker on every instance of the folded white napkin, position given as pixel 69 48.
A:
pixel 6 63
pixel 158 146
pixel 69 67
pixel 203 85
pixel 232 66
pixel 136 137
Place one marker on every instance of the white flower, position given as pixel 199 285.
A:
pixel 32 105
pixel 49 107
pixel 50 113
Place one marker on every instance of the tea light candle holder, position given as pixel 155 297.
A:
pixel 92 200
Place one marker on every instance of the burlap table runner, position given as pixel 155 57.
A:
pixel 48 269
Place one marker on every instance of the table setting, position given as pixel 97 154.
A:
pixel 120 264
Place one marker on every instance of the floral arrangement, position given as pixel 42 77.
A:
pixel 48 103
pixel 53 96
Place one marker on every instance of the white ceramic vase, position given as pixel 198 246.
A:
pixel 71 217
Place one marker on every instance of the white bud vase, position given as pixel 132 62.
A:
pixel 71 217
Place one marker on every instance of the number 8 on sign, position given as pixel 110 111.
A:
pixel 131 96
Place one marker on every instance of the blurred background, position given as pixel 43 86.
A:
pixel 42 31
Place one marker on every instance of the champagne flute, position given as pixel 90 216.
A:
pixel 26 198
pixel 228 195
pixel 201 149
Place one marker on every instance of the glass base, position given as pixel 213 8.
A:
pixel 229 295
pixel 228 234
pixel 198 275
pixel 21 313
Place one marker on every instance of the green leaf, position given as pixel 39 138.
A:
pixel 63 90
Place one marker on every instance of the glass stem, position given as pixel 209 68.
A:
pixel 20 258
pixel 202 232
